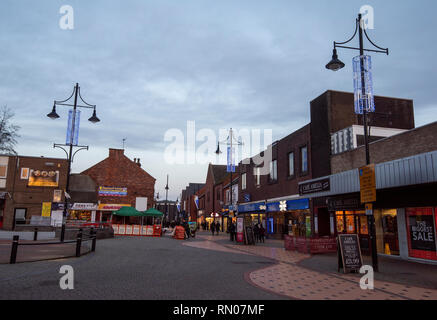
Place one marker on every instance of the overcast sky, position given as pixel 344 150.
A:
pixel 154 65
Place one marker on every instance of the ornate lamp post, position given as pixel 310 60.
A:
pixel 231 166
pixel 363 98
pixel 72 138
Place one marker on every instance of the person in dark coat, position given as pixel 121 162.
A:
pixel 262 233
pixel 212 227
pixel 256 232
pixel 232 230
pixel 217 227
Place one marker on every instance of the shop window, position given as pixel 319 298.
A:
pixel 340 221
pixel 350 222
pixel 421 233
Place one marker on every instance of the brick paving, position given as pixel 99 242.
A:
pixel 289 279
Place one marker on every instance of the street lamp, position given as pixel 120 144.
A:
pixel 72 138
pixel 335 64
pixel 166 199
pixel 230 165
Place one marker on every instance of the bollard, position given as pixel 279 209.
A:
pixel 63 232
pixel 78 243
pixel 14 250
pixel 94 236
pixel 35 235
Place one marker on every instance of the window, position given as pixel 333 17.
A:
pixel 218 194
pixel 207 196
pixel 257 173
pixel 291 164
pixel 228 197
pixel 3 170
pixel 243 181
pixel 20 216
pixel 274 170
pixel 304 159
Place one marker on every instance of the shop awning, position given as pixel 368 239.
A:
pixel 152 212
pixel 128 212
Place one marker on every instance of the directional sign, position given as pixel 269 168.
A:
pixel 367 184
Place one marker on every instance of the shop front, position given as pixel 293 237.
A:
pixel 83 212
pixel 105 211
pixel 289 217
pixel 256 211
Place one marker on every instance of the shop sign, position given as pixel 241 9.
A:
pixel 369 209
pixel 367 183
pixel 252 207
pixel 112 192
pixel 111 207
pixel 84 206
pixel 57 195
pixel 349 253
pixel 281 206
pixel 321 185
pixel 41 178
pixel 338 204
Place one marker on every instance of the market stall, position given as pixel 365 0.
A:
pixel 141 226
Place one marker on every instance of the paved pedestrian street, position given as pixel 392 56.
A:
pixel 207 267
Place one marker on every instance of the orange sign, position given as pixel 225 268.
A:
pixel 367 183
pixel 111 206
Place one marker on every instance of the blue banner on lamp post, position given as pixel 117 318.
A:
pixel 231 156
pixel 366 100
pixel 75 139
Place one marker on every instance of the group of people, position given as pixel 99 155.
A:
pixel 215 227
pixel 259 232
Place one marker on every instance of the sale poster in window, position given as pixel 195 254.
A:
pixel 421 233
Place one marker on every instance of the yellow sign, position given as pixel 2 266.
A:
pixel 41 178
pixel 367 183
pixel 46 209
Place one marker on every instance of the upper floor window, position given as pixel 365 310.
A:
pixel 304 159
pixel 291 164
pixel 274 170
pixel 218 194
pixel 257 173
pixel 243 181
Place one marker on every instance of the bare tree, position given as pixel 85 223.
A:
pixel 8 131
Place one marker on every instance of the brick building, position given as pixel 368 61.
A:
pixel 189 210
pixel 121 182
pixel 25 184
pixel 406 184
pixel 273 199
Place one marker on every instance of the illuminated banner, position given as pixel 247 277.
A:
pixel 73 139
pixel 112 192
pixel 39 178
pixel 362 66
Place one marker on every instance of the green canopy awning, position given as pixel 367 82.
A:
pixel 128 212
pixel 152 212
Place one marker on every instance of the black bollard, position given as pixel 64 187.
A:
pixel 35 234
pixel 94 237
pixel 14 250
pixel 78 243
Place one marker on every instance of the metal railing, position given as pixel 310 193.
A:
pixel 78 241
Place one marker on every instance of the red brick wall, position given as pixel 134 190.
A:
pixel 119 171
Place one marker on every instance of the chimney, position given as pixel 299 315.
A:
pixel 138 162
pixel 116 153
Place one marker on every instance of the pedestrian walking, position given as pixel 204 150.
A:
pixel 232 231
pixel 217 227
pixel 212 227
pixel 262 233
pixel 256 232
